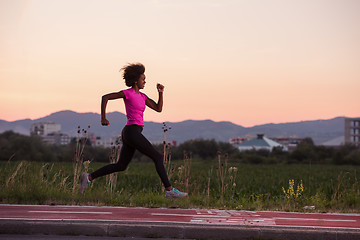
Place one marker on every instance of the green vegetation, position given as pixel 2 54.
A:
pixel 223 181
pixel 241 186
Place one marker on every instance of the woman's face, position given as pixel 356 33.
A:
pixel 141 82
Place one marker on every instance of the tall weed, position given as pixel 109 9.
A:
pixel 82 137
pixel 111 179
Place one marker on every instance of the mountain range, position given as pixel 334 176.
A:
pixel 319 130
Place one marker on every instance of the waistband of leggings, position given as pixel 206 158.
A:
pixel 135 126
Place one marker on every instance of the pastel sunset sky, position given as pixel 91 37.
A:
pixel 246 61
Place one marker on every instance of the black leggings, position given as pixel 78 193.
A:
pixel 133 140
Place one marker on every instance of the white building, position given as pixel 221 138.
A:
pixel 289 143
pixel 335 142
pixel 260 142
pixel 50 132
pixel 44 128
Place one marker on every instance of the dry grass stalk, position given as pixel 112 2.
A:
pixel 45 171
pixel 209 178
pixel 222 172
pixel 167 151
pixel 233 173
pixel 81 140
pixel 11 179
pixel 167 154
pixel 113 158
pixel 187 168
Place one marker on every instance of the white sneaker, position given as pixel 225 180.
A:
pixel 84 181
pixel 174 193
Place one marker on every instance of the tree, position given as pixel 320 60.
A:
pixel 305 151
pixel 202 148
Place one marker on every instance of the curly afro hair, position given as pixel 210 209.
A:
pixel 132 73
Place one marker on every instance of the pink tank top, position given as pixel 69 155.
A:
pixel 135 107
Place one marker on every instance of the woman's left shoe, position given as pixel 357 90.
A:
pixel 174 193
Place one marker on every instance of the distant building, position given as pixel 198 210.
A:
pixel 352 131
pixel 238 140
pixel 289 143
pixel 44 128
pixel 92 138
pixel 50 132
pixel 260 142
pixel 335 142
pixel 57 138
pixel 107 143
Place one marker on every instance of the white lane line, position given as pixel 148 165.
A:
pixel 189 215
pixel 317 219
pixel 89 219
pixel 216 217
pixel 69 212
pixel 259 220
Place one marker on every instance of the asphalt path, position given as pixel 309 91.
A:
pixel 175 223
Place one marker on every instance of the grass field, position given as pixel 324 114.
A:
pixel 211 184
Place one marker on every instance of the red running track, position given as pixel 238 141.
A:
pixel 194 216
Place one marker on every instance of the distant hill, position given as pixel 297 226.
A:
pixel 319 130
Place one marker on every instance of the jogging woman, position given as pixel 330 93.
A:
pixel 132 138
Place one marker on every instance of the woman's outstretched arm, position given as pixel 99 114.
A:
pixel 104 100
